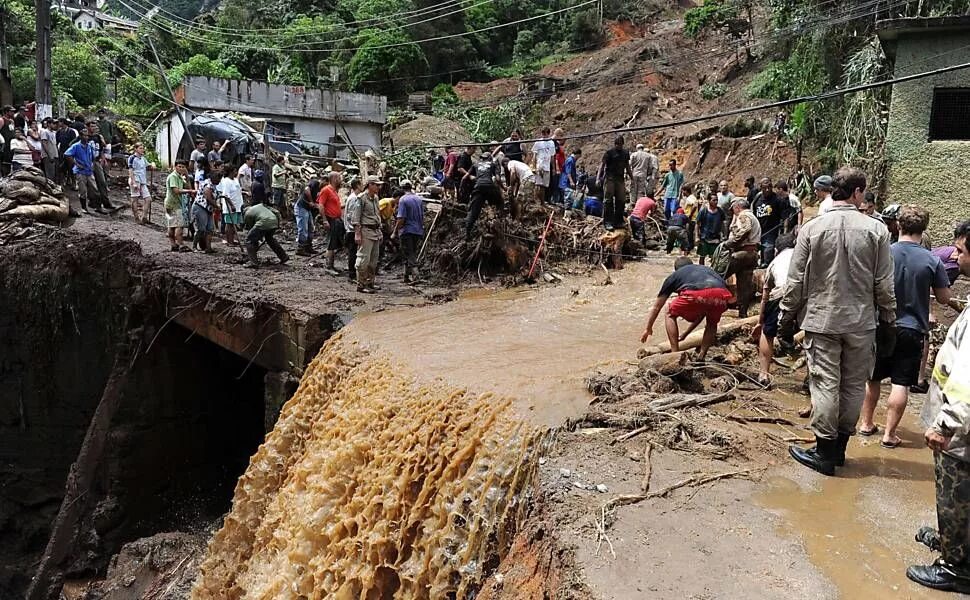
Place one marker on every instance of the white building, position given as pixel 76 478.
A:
pixel 327 121
pixel 87 15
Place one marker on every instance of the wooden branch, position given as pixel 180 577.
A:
pixel 627 499
pixel 645 483
pixel 690 400
pixel 757 419
pixel 631 434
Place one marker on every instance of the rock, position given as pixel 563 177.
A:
pixel 565 472
pixel 601 488
pixel 499 578
pixel 579 485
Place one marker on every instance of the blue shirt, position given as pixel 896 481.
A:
pixel 411 209
pixel 710 223
pixel 915 271
pixel 83 155
pixel 568 169
pixel 592 206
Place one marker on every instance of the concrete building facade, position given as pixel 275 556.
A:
pixel 928 136
pixel 329 121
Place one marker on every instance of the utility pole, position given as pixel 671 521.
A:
pixel 6 86
pixel 43 89
pixel 161 72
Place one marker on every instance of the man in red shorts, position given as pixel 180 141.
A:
pixel 702 295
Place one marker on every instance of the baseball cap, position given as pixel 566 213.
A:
pixel 406 184
pixel 373 179
pixel 823 183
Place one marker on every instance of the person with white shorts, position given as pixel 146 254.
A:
pixel 141 197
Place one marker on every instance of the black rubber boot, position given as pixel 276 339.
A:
pixel 840 444
pixel 940 576
pixel 820 458
pixel 929 537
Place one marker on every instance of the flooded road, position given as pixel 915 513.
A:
pixel 536 344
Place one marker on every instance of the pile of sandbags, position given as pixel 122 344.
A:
pixel 29 194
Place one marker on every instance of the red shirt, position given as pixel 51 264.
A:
pixel 644 206
pixel 329 202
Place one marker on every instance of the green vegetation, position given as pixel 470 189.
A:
pixel 710 91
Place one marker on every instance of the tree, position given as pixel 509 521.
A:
pixel 201 65
pixel 384 70
pixel 78 72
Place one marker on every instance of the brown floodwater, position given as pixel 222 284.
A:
pixel 536 345
pixel 858 528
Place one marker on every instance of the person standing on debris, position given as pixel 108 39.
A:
pixel 725 198
pixel 141 196
pixel 543 153
pixel 823 193
pixel 776 278
pixel 279 183
pixel 947 415
pixel 109 132
pixel 643 166
pixel 569 178
pixel 642 210
pixel 48 148
pixel 7 128
pixel 262 221
pixel 710 227
pixel 670 186
pixel 743 239
pixel 367 234
pixel 80 156
pixel 521 186
pixel 677 232
pixel 487 188
pixel 410 228
pixel 463 168
pixel 231 204
pixel 615 164
pixel 100 146
pixel 771 211
pixel 350 209
pixel 176 185
pixel 916 273
pixel 197 156
pixel 512 147
pixel 246 177
pixel 33 140
pixel 840 282
pixel 450 182
pixel 304 211
pixel 206 201
pixel 21 155
pixel 691 206
pixel 702 295
pixel 329 202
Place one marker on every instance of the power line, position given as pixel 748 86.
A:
pixel 197 39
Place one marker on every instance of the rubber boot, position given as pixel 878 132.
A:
pixel 941 576
pixel 304 250
pixel 840 444
pixel 820 458
pixel 252 255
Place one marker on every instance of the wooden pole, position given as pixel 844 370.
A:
pixel 44 585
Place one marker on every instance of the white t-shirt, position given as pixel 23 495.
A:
pixel 778 272
pixel 544 150
pixel 826 205
pixel 724 202
pixel 231 189
pixel 246 177
pixel 522 170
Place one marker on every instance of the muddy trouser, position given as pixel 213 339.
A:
pixel 614 202
pixel 102 185
pixel 256 236
pixel 490 194
pixel 637 226
pixel 368 255
pixel 409 244
pixel 953 509
pixel 742 266
pixel 768 240
pixel 50 170
pixel 839 364
pixel 350 242
pixel 691 227
pixel 676 234
pixel 87 189
pixel 638 187
pixel 304 225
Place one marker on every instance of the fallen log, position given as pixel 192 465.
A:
pixel 669 363
pixel 694 339
pixel 645 483
pixel 690 400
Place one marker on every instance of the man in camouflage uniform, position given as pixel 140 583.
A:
pixel 743 242
pixel 948 414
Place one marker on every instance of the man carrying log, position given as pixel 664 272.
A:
pixel 702 295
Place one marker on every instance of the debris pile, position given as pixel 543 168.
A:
pixel 28 194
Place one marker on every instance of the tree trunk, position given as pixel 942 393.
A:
pixel 694 339
pixel 45 585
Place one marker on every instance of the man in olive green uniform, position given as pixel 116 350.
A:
pixel 368 235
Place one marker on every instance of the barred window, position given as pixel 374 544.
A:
pixel 950 116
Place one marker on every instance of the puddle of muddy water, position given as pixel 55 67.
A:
pixel 858 527
pixel 536 344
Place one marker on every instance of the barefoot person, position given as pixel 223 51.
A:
pixel 702 295
pixel 947 413
pixel 917 272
